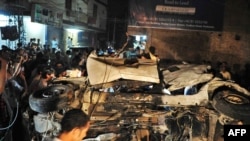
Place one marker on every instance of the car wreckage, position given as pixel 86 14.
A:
pixel 135 99
pixel 126 100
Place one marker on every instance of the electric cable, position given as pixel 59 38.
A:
pixel 10 125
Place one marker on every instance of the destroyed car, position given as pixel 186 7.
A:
pixel 134 99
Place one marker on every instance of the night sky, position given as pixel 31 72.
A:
pixel 117 8
pixel 117 21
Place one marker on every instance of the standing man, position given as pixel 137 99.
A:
pixel 69 43
pixel 74 126
pixel 54 45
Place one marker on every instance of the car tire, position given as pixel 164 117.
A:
pixel 69 83
pixel 232 104
pixel 50 99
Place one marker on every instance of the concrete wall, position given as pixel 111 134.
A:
pixel 34 30
pixel 101 14
pixel 231 45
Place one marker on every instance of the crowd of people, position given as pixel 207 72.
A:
pixel 42 67
pixel 37 68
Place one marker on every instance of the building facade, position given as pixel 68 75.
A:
pixel 80 20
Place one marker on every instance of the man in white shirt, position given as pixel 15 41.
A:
pixel 54 45
pixel 69 43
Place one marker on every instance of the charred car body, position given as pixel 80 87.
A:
pixel 137 100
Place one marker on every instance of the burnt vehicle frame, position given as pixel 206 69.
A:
pixel 128 99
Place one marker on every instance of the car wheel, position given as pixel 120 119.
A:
pixel 50 99
pixel 69 83
pixel 232 104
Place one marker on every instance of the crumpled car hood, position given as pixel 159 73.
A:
pixel 107 69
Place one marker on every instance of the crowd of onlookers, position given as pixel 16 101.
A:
pixel 43 66
pixel 38 67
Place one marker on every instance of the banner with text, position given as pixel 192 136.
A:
pixel 177 14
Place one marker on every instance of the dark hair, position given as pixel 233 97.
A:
pixel 68 52
pixel 40 68
pixel 47 71
pixel 152 49
pixel 72 119
pixel 60 70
